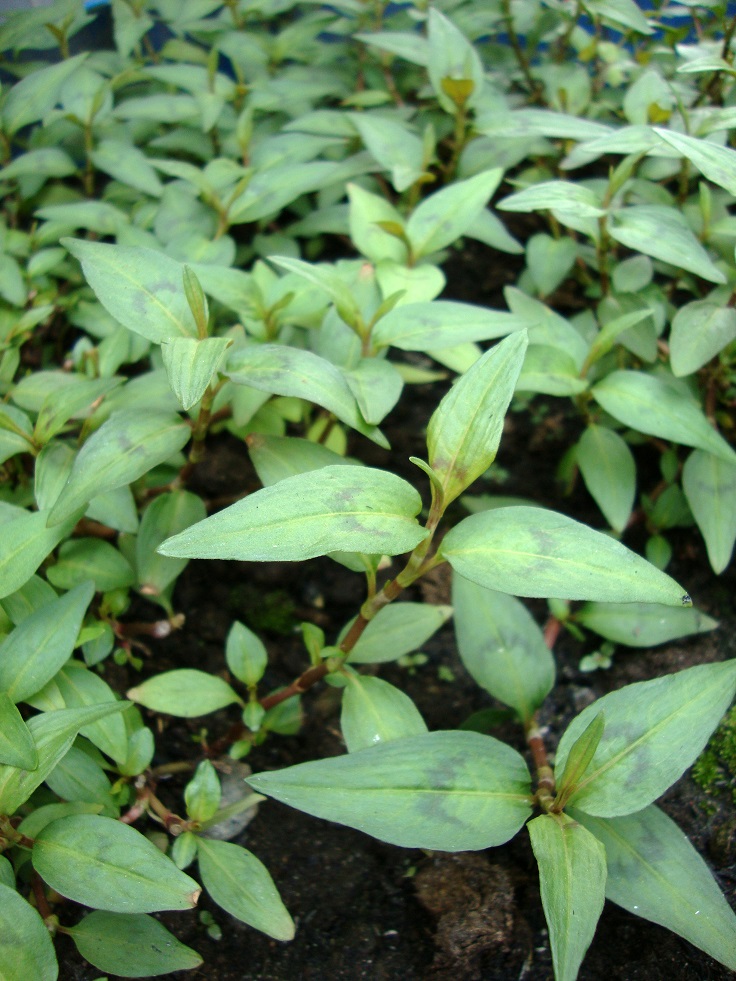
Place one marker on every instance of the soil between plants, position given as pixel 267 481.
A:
pixel 365 910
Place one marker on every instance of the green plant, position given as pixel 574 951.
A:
pixel 262 137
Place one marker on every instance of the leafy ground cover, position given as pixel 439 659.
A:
pixel 389 316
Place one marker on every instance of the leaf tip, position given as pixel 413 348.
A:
pixel 686 600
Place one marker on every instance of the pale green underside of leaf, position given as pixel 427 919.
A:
pixel 643 624
pixel 709 484
pixel 351 509
pixel 185 692
pixel 533 552
pixel 609 472
pixel 572 878
pixel 440 324
pixel 654 872
pixel 452 791
pixel 654 730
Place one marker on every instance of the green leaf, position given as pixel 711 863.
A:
pixel 191 364
pixel 439 324
pixel 549 260
pixel 167 514
pixel 277 457
pixel 654 872
pixel 48 161
pixel 24 544
pixel 373 711
pixel 108 865
pixel 717 163
pixel 282 370
pixel 70 402
pixel 501 646
pixel 39 646
pixel 35 95
pixel 533 552
pixel 376 385
pixel 551 371
pixel 53 734
pixel 465 429
pixel 78 777
pixel 7 875
pixel 443 217
pixel 451 791
pixel 185 692
pixel 131 945
pixel 397 629
pixel 17 747
pixel 124 448
pixel 242 886
pixel 395 147
pixel 327 279
pixel 699 331
pixel 327 510
pixel 709 484
pixel 141 288
pixel 649 405
pixel 451 57
pixel 642 624
pixel 572 878
pixel 85 559
pixel 370 216
pixel 609 471
pixel 28 950
pixel 246 654
pixel 203 792
pixel 654 731
pixel 579 759
pixel 563 197
pixel 663 233
pixel 127 164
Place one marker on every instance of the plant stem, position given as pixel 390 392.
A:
pixel 519 52
pixel 545 793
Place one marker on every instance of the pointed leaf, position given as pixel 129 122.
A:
pixel 643 624
pixel 572 878
pixel 397 629
pixel 191 364
pixel 246 654
pixel 53 734
pixel 27 947
pixel 125 447
pixel 443 217
pixel 649 405
pixel 240 884
pixel 277 457
pixel 654 872
pixel 108 865
pixel 89 559
pixel 393 145
pixel 709 484
pixel 717 163
pixel 127 164
pixel 439 324
pixel 38 647
pixel 376 386
pixel 17 747
pixel 80 687
pixel 185 692
pixel 699 331
pixel 465 429
pixel 24 544
pixel 562 197
pixel 141 288
pixel 373 711
pixel 654 731
pixel 579 758
pixel 131 945
pixel 167 514
pixel 36 94
pixel 609 471
pixel 533 552
pixel 452 791
pixel 501 646
pixel 333 509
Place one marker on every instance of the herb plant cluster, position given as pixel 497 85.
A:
pixel 172 209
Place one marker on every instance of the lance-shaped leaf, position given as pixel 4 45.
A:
pixel 699 331
pixel 562 197
pixel 465 429
pixel 352 509
pixel 27 947
pixel 654 872
pixel 36 94
pixel 572 879
pixel 397 629
pixel 108 865
pixel 609 472
pixel 717 163
pixel 393 145
pixel 649 405
pixel 441 323
pixel 533 552
pixel 125 447
pixel 709 484
pixel 185 692
pixel 579 758
pixel 17 747
pixel 42 643
pixel 654 730
pixel 190 365
pixel 376 385
pixel 239 883
pixel 53 734
pixel 373 711
pixel 452 791
pixel 166 515
pixel 643 624
pixel 24 544
pixel 501 646
pixel 282 370
pixel 276 457
pixel 70 402
pixel 141 288
pixel 444 216
pixel 327 279
pixel 131 945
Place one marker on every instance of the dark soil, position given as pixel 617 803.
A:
pixel 365 910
